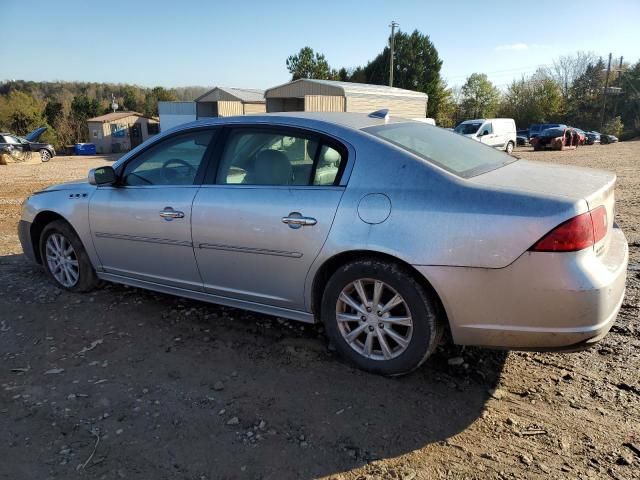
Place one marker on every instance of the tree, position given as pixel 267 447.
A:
pixel 568 68
pixel 613 127
pixel 480 98
pixel 132 99
pixel 82 108
pixel 20 113
pixel 586 92
pixel 627 104
pixel 537 99
pixel 157 94
pixel 309 64
pixel 416 67
pixel 53 112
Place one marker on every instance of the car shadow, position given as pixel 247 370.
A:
pixel 174 387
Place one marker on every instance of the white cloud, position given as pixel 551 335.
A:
pixel 513 47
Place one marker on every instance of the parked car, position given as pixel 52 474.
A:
pixel 604 138
pixel 386 230
pixel 499 133
pixel 522 137
pixel 537 128
pixel 592 138
pixel 22 148
pixel 556 138
pixel 582 135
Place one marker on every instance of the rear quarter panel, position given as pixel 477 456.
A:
pixel 437 218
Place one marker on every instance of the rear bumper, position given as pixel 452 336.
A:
pixel 542 301
pixel 24 234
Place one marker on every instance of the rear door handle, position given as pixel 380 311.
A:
pixel 296 220
pixel 169 214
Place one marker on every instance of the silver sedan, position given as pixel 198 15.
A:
pixel 388 231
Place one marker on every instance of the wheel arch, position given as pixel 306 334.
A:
pixel 331 265
pixel 41 220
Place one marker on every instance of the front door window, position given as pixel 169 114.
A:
pixel 175 161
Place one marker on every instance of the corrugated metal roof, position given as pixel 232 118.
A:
pixel 250 95
pixel 110 117
pixel 340 88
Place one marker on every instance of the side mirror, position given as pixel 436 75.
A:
pixel 484 132
pixel 102 176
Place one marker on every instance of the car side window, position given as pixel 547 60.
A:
pixel 487 127
pixel 329 162
pixel 173 161
pixel 11 140
pixel 267 157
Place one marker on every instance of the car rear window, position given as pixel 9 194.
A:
pixel 552 132
pixel 455 153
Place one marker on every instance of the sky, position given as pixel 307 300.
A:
pixel 174 43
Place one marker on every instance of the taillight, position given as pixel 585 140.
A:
pixel 575 234
pixel 599 219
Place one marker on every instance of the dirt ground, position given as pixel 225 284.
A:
pixel 124 383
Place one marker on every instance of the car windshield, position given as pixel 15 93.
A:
pixel 552 132
pixel 459 155
pixel 467 128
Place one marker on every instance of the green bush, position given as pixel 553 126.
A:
pixel 613 127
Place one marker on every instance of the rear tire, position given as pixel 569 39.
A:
pixel 64 258
pixel 509 148
pixel 393 329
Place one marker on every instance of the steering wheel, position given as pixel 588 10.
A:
pixel 171 174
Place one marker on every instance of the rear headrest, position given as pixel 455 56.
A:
pixel 329 156
pixel 271 168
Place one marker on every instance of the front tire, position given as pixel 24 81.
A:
pixel 380 318
pixel 64 258
pixel 45 155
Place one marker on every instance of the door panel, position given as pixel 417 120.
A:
pixel 133 239
pixel 142 227
pixel 245 250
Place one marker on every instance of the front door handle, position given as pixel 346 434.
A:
pixel 169 214
pixel 296 220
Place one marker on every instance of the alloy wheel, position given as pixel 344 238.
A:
pixel 62 260
pixel 374 319
pixel 45 155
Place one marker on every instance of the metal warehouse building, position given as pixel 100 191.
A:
pixel 226 102
pixel 310 95
pixel 173 114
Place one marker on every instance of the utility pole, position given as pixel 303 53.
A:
pixel 615 103
pixel 604 94
pixel 392 39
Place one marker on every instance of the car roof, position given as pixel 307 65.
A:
pixel 355 121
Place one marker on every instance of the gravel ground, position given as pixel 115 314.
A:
pixel 123 383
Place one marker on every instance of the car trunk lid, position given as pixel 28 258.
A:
pixel 596 187
pixel 36 134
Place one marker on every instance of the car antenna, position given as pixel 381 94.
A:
pixel 384 113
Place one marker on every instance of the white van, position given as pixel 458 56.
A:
pixel 427 120
pixel 499 133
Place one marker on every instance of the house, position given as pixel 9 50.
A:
pixel 311 95
pixel 121 131
pixel 173 114
pixel 226 102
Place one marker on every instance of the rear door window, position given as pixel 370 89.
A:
pixel 278 157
